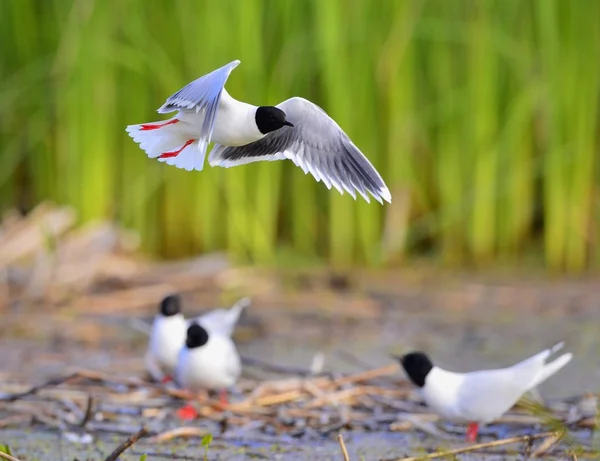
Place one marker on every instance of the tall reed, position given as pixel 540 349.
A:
pixel 482 117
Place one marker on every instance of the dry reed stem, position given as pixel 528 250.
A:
pixel 334 397
pixel 367 375
pixel 340 438
pixel 8 457
pixel 14 420
pixel 35 389
pixel 547 445
pixel 478 446
pixel 184 431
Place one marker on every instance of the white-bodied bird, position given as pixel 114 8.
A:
pixel 207 361
pixel 169 329
pixel 295 129
pixel 479 397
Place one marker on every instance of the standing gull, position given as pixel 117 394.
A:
pixel 295 129
pixel 169 329
pixel 479 397
pixel 207 361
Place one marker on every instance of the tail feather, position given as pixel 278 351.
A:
pixel 539 359
pixel 550 368
pixel 170 142
pixel 185 157
pixel 236 310
pixel 535 369
pixel 223 321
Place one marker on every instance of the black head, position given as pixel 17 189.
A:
pixel 269 118
pixel 417 366
pixel 171 305
pixel 196 336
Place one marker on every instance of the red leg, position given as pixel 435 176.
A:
pixel 175 153
pixel 187 412
pixel 156 126
pixel 472 430
pixel 223 397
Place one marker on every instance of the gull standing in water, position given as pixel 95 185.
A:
pixel 295 129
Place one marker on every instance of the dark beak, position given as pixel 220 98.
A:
pixel 288 123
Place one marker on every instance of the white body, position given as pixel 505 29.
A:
pixel 484 396
pixel 167 336
pixel 234 123
pixel 213 366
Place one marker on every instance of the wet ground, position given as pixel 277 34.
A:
pixel 464 323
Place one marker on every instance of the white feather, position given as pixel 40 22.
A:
pixel 215 365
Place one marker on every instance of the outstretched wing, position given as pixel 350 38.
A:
pixel 201 96
pixel 316 144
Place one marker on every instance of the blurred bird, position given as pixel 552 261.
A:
pixel 479 397
pixel 295 129
pixel 168 333
pixel 207 361
pixel 166 338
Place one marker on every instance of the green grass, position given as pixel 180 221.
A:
pixel 482 117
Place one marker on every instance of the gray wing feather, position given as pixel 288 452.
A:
pixel 202 96
pixel 317 145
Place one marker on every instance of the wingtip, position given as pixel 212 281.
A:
pixel 557 347
pixel 385 195
pixel 567 357
pixel 243 303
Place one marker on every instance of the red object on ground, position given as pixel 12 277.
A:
pixel 472 430
pixel 187 412
pixel 223 397
pixel 175 153
pixel 166 379
pixel 158 125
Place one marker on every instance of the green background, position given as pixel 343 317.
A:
pixel 482 117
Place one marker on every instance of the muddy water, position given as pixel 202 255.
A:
pixel 462 325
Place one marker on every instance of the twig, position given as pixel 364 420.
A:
pixel 88 411
pixel 495 443
pixel 52 382
pixel 126 444
pixel 340 438
pixel 8 457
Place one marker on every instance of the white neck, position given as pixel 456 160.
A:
pixel 235 123
pixel 441 391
